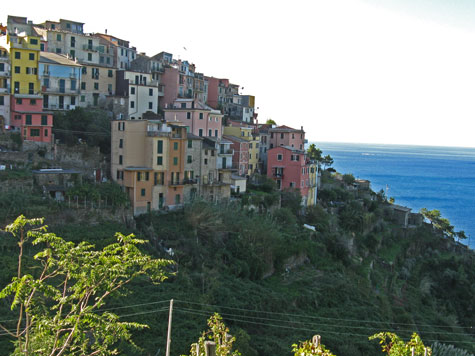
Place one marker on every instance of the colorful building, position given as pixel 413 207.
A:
pixel 141 90
pixel 30 119
pixel 248 133
pixel 240 148
pixel 289 168
pixel 287 136
pixel 60 81
pixel 202 120
pixel 97 84
pixel 148 160
pixel 4 83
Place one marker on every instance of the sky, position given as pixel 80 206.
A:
pixel 369 71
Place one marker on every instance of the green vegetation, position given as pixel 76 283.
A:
pixel 59 301
pixel 91 126
pixel 275 282
pixel 218 336
pixel 311 347
pixel 393 345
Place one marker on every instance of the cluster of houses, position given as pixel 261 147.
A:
pixel 176 133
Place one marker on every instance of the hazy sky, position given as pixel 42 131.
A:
pixel 379 71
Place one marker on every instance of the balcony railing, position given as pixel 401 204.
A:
pixel 190 181
pixel 5 90
pixel 4 73
pixel 226 152
pixel 176 182
pixel 158 134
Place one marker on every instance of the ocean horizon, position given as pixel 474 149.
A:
pixel 432 177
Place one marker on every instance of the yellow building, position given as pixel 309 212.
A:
pixel 247 134
pixel 24 59
pixel 312 184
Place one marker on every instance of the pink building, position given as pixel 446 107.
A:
pixel 202 120
pixel 289 168
pixel 169 79
pixel 241 154
pixel 28 117
pixel 286 136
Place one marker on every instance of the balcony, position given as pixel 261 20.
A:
pixel 176 182
pixel 5 90
pixel 5 73
pixel 158 134
pixel 226 152
pixel 93 48
pixel 45 73
pixel 190 181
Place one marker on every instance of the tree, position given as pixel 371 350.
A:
pixel 348 178
pixel 327 161
pixel 217 337
pixel 314 153
pixel 438 222
pixel 59 301
pixel 393 345
pixel 311 347
pixel 270 122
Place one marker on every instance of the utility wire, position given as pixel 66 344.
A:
pixel 322 317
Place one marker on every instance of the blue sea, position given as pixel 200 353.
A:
pixel 441 178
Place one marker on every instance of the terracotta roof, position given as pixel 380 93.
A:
pixel 54 58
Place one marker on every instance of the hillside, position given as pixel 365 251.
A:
pixel 275 282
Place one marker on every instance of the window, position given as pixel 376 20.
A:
pixel 183 105
pixel 35 132
pixel 189 159
pixel 101 59
pixel 46 132
pixel 293 136
pixel 83 85
pixel 150 92
pixel 250 155
pixel 206 161
pixel 159 160
pixel 139 176
pixel 250 145
pixel 73 84
pixel 31 56
pixel 32 101
pixel 216 133
pixel 109 88
pixel 44 120
pixel 292 184
pixel 19 101
pixel 46 82
pixel 17 70
pixel 188 115
pixel 175 161
pixel 281 135
pixel 150 105
pixel 2 67
pixel 132 90
pixel 201 116
pixel 17 55
pixel 109 73
pixel 31 88
pixel 2 100
pixel 83 98
pixel 58 37
pixel 42 47
pixel 73 41
pixel 271 145
pixel 200 132
pixel 58 50
pixel 28 119
pixel 142 192
pixel 147 176
pixel 175 146
pixel 96 86
pixel 33 41
pixel 190 143
pixel 210 132
pixel 89 57
pixel 159 146
pixel 279 157
pixel 132 104
pixel 121 143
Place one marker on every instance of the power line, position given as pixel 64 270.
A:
pixel 322 317
pixel 306 329
pixel 324 324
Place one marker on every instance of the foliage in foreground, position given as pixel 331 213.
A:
pixel 311 347
pixel 393 345
pixel 59 302
pixel 217 337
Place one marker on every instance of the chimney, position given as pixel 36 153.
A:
pixel 106 31
pixel 301 128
